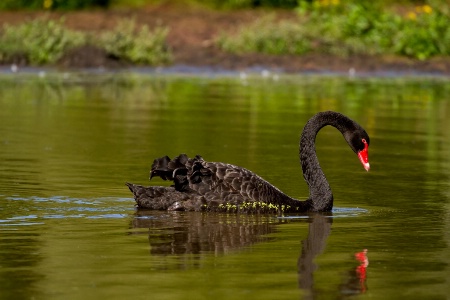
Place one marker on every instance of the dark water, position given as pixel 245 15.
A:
pixel 69 229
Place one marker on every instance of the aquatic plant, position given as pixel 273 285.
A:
pixel 248 207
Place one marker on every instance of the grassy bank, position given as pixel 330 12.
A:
pixel 204 36
pixel 42 41
pixel 347 28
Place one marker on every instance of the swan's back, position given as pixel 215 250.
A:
pixel 211 186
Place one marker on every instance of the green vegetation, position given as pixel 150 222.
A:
pixel 80 4
pixel 228 4
pixel 267 36
pixel 140 46
pixel 251 3
pixel 334 27
pixel 363 27
pixel 329 26
pixel 39 41
pixel 51 4
pixel 43 41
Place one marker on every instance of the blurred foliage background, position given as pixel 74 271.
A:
pixel 417 29
pixel 52 4
pixel 80 4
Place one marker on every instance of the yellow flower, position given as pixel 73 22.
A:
pixel 411 15
pixel 427 9
pixel 325 3
pixel 424 9
pixel 48 4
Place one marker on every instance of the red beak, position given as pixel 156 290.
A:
pixel 363 156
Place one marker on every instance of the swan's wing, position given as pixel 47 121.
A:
pixel 211 186
pixel 230 179
pixel 215 181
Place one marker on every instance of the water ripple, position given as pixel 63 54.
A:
pixel 19 211
pixel 337 212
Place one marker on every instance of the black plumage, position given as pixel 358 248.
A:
pixel 199 185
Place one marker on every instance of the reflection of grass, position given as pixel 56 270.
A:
pixel 44 41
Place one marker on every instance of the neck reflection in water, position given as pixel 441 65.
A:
pixel 318 231
pixel 184 233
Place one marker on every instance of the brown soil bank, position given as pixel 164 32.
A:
pixel 192 31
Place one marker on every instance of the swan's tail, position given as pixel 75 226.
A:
pixel 157 197
pixel 188 176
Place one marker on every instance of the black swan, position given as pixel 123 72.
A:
pixel 214 186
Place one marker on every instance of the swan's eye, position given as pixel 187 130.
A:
pixel 365 144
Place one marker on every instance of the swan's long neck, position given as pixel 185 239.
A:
pixel 320 195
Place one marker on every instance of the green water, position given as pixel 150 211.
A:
pixel 69 229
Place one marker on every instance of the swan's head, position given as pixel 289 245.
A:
pixel 359 141
pixel 363 155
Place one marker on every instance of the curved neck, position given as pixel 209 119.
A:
pixel 320 195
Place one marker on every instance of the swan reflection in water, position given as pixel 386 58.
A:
pixel 318 231
pixel 178 233
pixel 197 232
